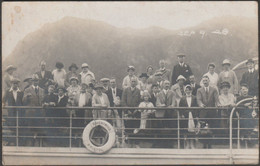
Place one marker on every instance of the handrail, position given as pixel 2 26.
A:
pixel 230 127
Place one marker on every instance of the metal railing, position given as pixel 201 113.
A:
pixel 170 133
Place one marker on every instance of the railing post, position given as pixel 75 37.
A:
pixel 178 127
pixel 123 128
pixel 17 132
pixel 238 131
pixel 70 126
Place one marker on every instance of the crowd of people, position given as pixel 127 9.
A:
pixel 153 88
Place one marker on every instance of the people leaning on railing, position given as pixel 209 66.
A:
pixel 57 89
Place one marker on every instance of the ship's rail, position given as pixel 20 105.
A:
pixel 227 137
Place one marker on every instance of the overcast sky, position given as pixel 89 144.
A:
pixel 21 18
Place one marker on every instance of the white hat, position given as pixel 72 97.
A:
pixel 180 77
pixel 84 65
pixel 105 79
pixel 226 61
pixel 43 63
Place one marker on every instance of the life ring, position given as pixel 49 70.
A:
pixel 109 138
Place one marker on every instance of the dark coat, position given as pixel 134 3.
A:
pixel 110 95
pixel 131 99
pixel 43 80
pixel 195 89
pixel 252 80
pixel 183 103
pixel 179 70
pixel 153 99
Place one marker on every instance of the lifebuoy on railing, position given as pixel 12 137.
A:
pixel 99 136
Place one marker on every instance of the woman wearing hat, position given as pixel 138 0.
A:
pixel 74 87
pixel 228 75
pixel 86 76
pixel 59 74
pixel 188 124
pixel 178 88
pixel 100 99
pixel 8 76
pixel 226 99
pixel 143 85
pixel 72 73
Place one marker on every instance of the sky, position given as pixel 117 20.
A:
pixel 21 18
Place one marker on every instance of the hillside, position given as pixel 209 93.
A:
pixel 108 49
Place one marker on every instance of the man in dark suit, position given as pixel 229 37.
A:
pixel 13 97
pixel 45 77
pixel 180 69
pixel 208 96
pixel 193 85
pixel 131 98
pixel 154 94
pixel 251 78
pixel 113 92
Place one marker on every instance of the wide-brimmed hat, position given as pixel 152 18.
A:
pixel 181 55
pixel 104 80
pixel 99 86
pixel 60 87
pixel 59 65
pixel 250 61
pixel 27 79
pixel 180 77
pixel 224 84
pixel 226 61
pixel 35 77
pixel 188 86
pixel 73 65
pixel 15 80
pixel 144 75
pixel 10 67
pixel 74 78
pixel 130 68
pixel 84 65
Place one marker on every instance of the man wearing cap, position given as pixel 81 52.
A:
pixel 33 96
pixel 106 83
pixel 178 88
pixel 86 76
pixel 59 75
pixel 29 82
pixel 143 85
pixel 213 76
pixel 13 97
pixel 158 80
pixel 72 73
pixel 251 78
pixel 180 69
pixel 8 77
pixel 193 85
pixel 228 76
pixel 45 77
pixel 166 73
pixel 127 79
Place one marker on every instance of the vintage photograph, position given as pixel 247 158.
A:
pixel 130 83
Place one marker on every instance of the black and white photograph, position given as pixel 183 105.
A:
pixel 130 83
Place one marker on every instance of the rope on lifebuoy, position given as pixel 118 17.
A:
pixel 111 136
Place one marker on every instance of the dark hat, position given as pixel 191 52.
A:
pixel 59 65
pixel 74 78
pixel 99 86
pixel 245 85
pixel 105 80
pixel 211 64
pixel 27 79
pixel 35 77
pixel 15 80
pixel 144 75
pixel 10 67
pixel 64 90
pixel 130 68
pixel 225 84
pixel 250 61
pixel 73 65
pixel 181 55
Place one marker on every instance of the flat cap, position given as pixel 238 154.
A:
pixel 10 67
pixel 84 65
pixel 226 61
